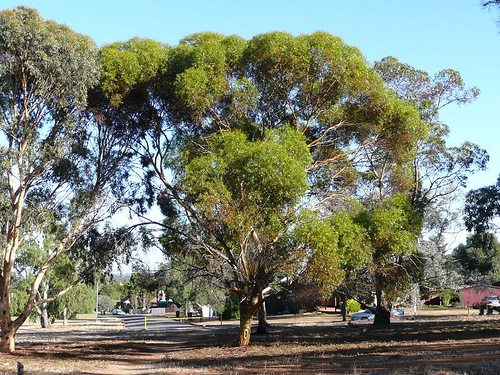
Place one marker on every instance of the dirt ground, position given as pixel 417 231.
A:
pixel 436 342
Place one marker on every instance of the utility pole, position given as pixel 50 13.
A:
pixel 96 298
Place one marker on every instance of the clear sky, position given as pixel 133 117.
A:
pixel 430 35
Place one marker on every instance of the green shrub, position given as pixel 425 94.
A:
pixel 353 306
pixel 231 308
pixel 448 296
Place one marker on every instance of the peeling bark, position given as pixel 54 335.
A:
pixel 245 325
pixel 248 307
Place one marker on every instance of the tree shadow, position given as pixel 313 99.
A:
pixel 288 349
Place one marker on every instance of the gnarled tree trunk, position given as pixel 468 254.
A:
pixel 248 307
pixel 382 315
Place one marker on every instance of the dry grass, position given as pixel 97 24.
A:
pixel 317 344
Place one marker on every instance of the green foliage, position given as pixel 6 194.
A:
pixel 447 296
pixel 106 303
pixel 261 176
pixel 215 128
pixel 352 306
pixel 231 308
pixel 436 171
pixel 20 292
pixel 52 53
pixel 424 91
pixel 316 238
pixel 393 227
pixel 479 258
pixel 62 166
pixel 185 288
pixel 142 285
pixel 250 189
pixel 482 207
pixel 79 300
pixel 114 290
pixel 352 240
pixel 198 72
pixel 128 64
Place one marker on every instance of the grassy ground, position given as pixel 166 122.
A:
pixel 447 343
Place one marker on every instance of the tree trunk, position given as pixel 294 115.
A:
pixel 343 308
pixel 263 326
pixel 8 338
pixel 44 317
pixel 7 327
pixel 44 314
pixel 65 316
pixel 382 315
pixel 246 315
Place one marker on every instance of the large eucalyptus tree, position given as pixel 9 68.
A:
pixel 58 166
pixel 174 101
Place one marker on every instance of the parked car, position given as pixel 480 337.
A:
pixel 118 312
pixel 493 301
pixel 398 312
pixel 363 315
pixel 489 304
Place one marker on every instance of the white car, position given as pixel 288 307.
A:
pixel 118 312
pixel 492 301
pixel 363 315
pixel 398 312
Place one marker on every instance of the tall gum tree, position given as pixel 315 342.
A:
pixel 428 173
pixel 435 171
pixel 245 195
pixel 58 167
pixel 211 83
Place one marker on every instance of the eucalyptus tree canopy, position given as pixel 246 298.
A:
pixel 479 258
pixel 393 227
pixel 208 82
pixel 482 207
pixel 244 194
pixel 58 168
pixel 434 173
pixel 189 102
pixel 488 3
pixel 436 170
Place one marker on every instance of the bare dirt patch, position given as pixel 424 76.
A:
pixel 315 344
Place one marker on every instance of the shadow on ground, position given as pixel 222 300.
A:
pixel 403 346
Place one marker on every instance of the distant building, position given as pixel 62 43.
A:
pixel 471 296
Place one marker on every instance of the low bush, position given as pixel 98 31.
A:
pixel 353 306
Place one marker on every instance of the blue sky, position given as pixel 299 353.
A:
pixel 428 34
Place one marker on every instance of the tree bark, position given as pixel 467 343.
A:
pixel 245 324
pixel 7 339
pixel 44 317
pixel 7 327
pixel 343 308
pixel 263 327
pixel 44 314
pixel 248 306
pixel 382 315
